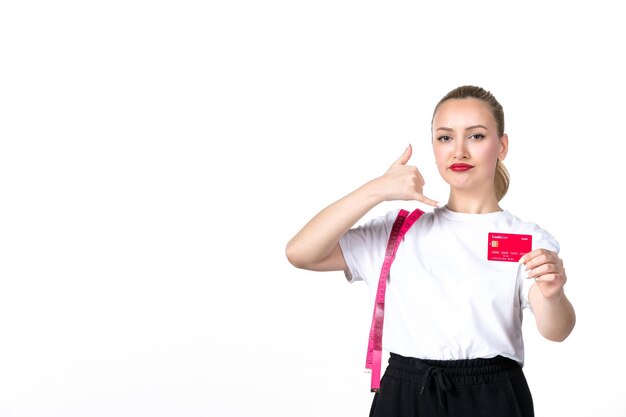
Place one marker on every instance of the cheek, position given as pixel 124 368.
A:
pixel 486 152
pixel 441 155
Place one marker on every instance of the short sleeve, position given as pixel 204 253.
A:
pixel 364 247
pixel 541 240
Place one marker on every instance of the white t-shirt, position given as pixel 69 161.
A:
pixel 444 299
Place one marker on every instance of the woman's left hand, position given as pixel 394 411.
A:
pixel 546 268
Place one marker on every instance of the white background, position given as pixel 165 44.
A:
pixel 156 157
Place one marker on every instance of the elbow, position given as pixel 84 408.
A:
pixel 294 257
pixel 556 338
pixel 559 335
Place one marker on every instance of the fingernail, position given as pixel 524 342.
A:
pixel 522 260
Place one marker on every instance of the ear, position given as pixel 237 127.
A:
pixel 504 147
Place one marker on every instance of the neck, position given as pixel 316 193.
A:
pixel 462 201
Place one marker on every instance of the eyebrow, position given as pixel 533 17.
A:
pixel 468 128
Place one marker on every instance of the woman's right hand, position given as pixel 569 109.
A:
pixel 403 182
pixel 316 245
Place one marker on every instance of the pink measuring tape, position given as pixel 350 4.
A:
pixel 403 223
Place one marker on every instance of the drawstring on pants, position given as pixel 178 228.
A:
pixel 442 383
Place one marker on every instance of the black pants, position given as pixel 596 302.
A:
pixel 414 387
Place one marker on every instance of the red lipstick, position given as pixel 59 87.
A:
pixel 461 167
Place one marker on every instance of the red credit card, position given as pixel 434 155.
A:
pixel 508 247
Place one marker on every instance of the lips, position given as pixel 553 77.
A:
pixel 461 167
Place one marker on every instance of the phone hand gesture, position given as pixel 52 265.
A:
pixel 404 182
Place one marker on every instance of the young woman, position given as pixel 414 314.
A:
pixel 453 312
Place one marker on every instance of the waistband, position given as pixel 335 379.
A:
pixel 460 372
pixel 444 375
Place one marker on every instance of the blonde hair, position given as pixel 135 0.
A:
pixel 502 178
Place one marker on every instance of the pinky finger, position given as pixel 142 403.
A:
pixel 547 278
pixel 428 201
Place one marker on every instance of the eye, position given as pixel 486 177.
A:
pixel 444 138
pixel 477 136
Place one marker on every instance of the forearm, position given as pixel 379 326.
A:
pixel 320 235
pixel 555 317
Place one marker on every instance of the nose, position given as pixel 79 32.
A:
pixel 460 150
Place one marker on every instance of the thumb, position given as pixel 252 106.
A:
pixel 405 156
